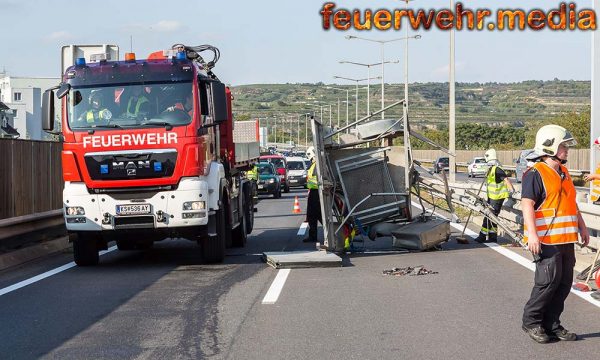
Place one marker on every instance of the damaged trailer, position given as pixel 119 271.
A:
pixel 365 187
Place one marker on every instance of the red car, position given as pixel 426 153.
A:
pixel 280 165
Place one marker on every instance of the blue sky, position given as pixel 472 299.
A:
pixel 279 41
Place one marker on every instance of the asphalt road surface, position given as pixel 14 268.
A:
pixel 166 304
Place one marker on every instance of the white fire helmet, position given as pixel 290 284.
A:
pixel 490 155
pixel 310 153
pixel 548 139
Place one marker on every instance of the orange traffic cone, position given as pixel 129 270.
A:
pixel 296 207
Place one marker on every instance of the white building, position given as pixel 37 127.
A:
pixel 23 95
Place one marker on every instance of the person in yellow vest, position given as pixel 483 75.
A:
pixel 595 179
pixel 97 110
pixel 138 103
pixel 252 174
pixel 552 225
pixel 313 206
pixel 499 189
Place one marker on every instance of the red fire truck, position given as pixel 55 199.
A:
pixel 149 154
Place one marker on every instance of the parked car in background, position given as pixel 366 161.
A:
pixel 297 171
pixel 521 164
pixel 268 180
pixel 477 166
pixel 441 163
pixel 279 163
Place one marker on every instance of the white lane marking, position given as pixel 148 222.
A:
pixel 302 229
pixel 47 274
pixel 276 287
pixel 587 296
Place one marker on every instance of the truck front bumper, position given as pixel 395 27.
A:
pixel 162 210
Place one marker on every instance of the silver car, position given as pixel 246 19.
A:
pixel 521 164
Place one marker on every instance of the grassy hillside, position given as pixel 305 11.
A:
pixel 489 103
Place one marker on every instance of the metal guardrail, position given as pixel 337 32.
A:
pixel 511 210
pixel 575 172
pixel 21 225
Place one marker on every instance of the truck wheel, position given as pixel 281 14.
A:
pixel 239 235
pixel 213 247
pixel 85 249
pixel 249 212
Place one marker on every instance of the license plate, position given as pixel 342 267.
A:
pixel 261 186
pixel 292 180
pixel 133 209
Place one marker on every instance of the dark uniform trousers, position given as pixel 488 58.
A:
pixel 488 223
pixel 313 213
pixel 553 280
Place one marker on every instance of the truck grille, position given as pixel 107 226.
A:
pixel 134 222
pixel 131 164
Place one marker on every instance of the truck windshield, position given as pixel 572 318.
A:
pixel 131 105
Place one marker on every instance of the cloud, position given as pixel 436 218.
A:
pixel 59 36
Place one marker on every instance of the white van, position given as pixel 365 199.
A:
pixel 297 171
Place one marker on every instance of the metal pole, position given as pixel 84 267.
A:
pixel 338 113
pixel 369 88
pixel 382 80
pixel 356 101
pixel 347 106
pixel 329 115
pixel 275 130
pixel 407 148
pixel 306 130
pixel 298 130
pixel 452 120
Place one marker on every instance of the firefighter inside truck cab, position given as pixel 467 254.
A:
pixel 97 110
pixel 185 106
pixel 138 103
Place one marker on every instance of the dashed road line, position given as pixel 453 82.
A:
pixel 302 229
pixel 276 287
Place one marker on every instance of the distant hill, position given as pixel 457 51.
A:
pixel 489 103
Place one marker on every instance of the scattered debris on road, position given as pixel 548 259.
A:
pixel 409 270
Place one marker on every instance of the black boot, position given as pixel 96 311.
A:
pixel 481 238
pixel 493 237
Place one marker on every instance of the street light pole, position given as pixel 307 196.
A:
pixel 368 66
pixel 382 43
pixel 356 81
pixel 452 106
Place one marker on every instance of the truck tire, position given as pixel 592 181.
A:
pixel 249 212
pixel 85 249
pixel 213 247
pixel 239 235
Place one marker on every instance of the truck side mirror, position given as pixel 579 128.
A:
pixel 218 102
pixel 48 110
pixel 63 90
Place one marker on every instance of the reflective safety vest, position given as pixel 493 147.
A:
pixel 252 174
pixel 311 181
pixel 141 100
pixel 496 191
pixel 556 218
pixel 93 115
pixel 595 194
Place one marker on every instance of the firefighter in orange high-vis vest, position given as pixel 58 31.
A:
pixel 552 226
pixel 595 179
